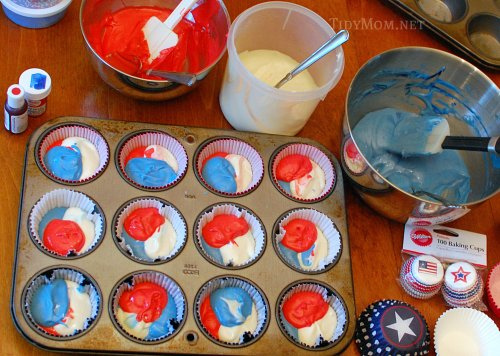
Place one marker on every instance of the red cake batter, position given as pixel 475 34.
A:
pixel 119 40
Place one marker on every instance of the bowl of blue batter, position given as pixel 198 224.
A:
pixel 402 85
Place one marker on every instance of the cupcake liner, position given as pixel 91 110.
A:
pixel 261 305
pixel 62 198
pixel 327 227
pixel 160 279
pixel 410 280
pixel 256 227
pixel 231 146
pixel 469 299
pixel 49 275
pixel 330 296
pixel 73 130
pixel 414 292
pixel 355 165
pixel 466 331
pixel 166 210
pixel 316 155
pixel 372 332
pixel 459 265
pixel 493 289
pixel 478 287
pixel 152 138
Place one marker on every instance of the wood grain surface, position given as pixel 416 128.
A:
pixel 78 91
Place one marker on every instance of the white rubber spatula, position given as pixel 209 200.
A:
pixel 160 35
pixel 422 136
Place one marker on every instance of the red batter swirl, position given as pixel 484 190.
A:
pixel 118 38
pixel 216 154
pixel 209 319
pixel 146 299
pixel 293 167
pixel 142 223
pixel 63 236
pixel 300 235
pixel 223 229
pixel 302 309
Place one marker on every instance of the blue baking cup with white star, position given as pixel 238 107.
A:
pixel 392 327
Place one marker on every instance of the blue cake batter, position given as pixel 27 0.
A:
pixel 444 174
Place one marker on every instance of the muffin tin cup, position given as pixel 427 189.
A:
pixel 258 297
pixel 167 210
pixel 163 281
pixel 330 296
pixel 147 138
pixel 231 146
pixel 327 227
pixel 67 130
pixel 314 154
pixel 48 275
pixel 256 227
pixel 63 198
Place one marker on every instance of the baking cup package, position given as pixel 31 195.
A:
pixel 459 283
pixel 439 260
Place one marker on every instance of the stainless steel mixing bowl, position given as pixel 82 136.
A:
pixel 384 82
pixel 92 11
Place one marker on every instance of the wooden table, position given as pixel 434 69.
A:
pixel 78 90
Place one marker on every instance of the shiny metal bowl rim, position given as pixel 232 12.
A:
pixel 424 49
pixel 228 19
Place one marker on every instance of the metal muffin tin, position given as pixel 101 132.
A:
pixel 468 25
pixel 107 265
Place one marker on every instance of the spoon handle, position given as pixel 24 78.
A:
pixel 339 38
pixel 484 144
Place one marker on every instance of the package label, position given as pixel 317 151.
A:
pixel 445 243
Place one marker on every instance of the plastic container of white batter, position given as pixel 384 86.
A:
pixel 251 105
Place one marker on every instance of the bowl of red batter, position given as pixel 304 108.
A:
pixel 112 31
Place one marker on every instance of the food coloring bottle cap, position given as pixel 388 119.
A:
pixel 15 96
pixel 36 83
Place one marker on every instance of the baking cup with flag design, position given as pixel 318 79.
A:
pixel 392 327
pixel 422 276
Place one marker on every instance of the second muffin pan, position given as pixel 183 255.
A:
pixel 268 276
pixel 471 26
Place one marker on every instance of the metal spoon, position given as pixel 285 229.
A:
pixel 178 77
pixel 338 39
